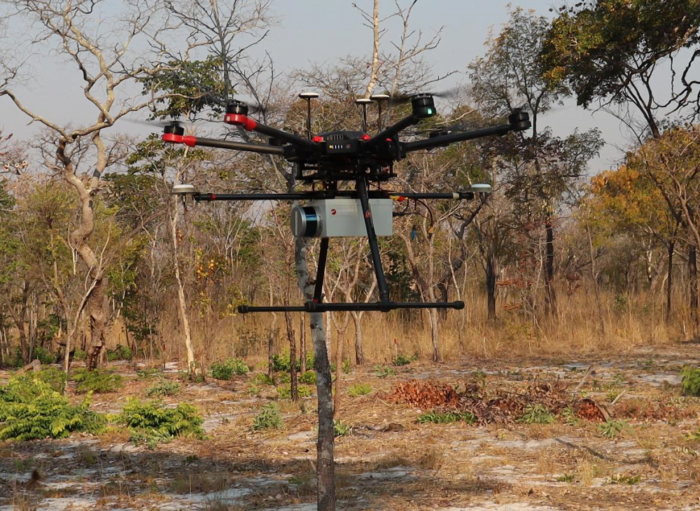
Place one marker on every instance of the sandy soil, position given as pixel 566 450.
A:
pixel 390 461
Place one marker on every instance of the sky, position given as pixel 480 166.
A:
pixel 322 31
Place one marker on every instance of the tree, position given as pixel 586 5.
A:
pixel 541 169
pixel 611 51
pixel 106 62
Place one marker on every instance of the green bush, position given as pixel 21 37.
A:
pixel 282 361
pixel 164 388
pixel 148 373
pixel 44 355
pixel 401 360
pixel 31 409
pixel 309 378
pixel 341 429
pixel 263 379
pixel 446 417
pixel 268 418
pixel 54 377
pixel 285 391
pixel 384 371
pixel 79 355
pixel 152 422
pixel 119 353
pixel 226 369
pixel 691 381
pixel 359 389
pixel 536 414
pixel 98 381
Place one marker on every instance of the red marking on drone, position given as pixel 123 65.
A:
pixel 213 196
pixel 367 215
pixel 317 139
pixel 365 137
pixel 333 211
pixel 241 120
pixel 189 141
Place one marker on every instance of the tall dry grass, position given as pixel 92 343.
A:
pixel 627 323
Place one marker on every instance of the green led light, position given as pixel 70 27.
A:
pixel 430 111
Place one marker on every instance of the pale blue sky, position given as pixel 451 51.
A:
pixel 321 31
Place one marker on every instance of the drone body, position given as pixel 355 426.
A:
pixel 343 156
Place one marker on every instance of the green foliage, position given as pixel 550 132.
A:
pixel 536 414
pixel 625 479
pixel 347 366
pixel 79 355
pixel 612 428
pixel 359 389
pixel 285 391
pixel 598 47
pixel 54 377
pixel 341 429
pixel 164 388
pixel 44 355
pixel 99 381
pixel 568 416
pixel 31 409
pixel 691 381
pixel 148 373
pixel 402 360
pixel 446 417
pixel 566 478
pixel 226 369
pixel 119 353
pixel 384 371
pixel 263 379
pixel 268 418
pixel 153 423
pixel 309 378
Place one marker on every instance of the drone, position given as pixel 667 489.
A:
pixel 330 158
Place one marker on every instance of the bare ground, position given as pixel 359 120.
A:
pixel 390 461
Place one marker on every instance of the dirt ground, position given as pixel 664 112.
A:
pixel 648 460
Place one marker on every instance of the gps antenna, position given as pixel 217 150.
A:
pixel 379 98
pixel 363 102
pixel 308 96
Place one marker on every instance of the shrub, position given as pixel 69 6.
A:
pixel 268 418
pixel 226 369
pixel 263 379
pixel 54 377
pixel 285 391
pixel 44 355
pixel 79 355
pixel 536 414
pixel 31 409
pixel 347 367
pixel 341 429
pixel 384 371
pixel 119 353
pixel 282 361
pixel 360 389
pixel 612 428
pixel 164 388
pixel 148 373
pixel 691 381
pixel 152 423
pixel 446 417
pixel 309 378
pixel 402 360
pixel 98 381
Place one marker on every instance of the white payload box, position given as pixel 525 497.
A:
pixel 342 217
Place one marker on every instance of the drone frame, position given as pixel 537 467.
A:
pixel 362 159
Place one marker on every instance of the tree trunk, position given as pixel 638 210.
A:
pixel 340 338
pixel 302 344
pixel 550 303
pixel 292 357
pixel 434 334
pixel 181 292
pixel 594 276
pixel 669 281
pixel 359 355
pixel 693 282
pixel 491 277
pixel 325 467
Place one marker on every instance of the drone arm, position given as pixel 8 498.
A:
pixel 222 144
pixel 394 129
pixel 517 121
pixel 433 142
pixel 250 125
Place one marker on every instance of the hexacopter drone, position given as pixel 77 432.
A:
pixel 343 156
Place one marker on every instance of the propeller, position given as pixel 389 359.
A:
pixel 401 98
